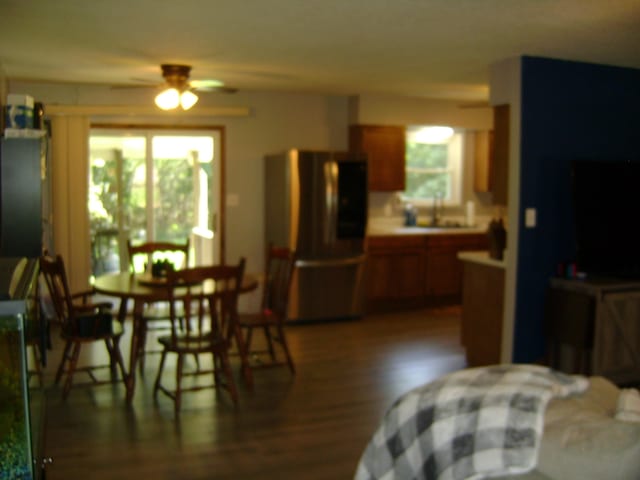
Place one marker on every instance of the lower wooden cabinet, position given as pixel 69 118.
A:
pixel 405 271
pixel 443 270
pixel 482 307
pixel 394 272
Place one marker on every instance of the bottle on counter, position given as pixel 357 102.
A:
pixel 497 239
pixel 410 215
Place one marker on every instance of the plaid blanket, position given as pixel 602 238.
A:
pixel 470 424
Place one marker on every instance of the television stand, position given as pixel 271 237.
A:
pixel 599 317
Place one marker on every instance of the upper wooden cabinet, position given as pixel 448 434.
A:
pixel 492 157
pixel 385 147
pixel 500 158
pixel 483 153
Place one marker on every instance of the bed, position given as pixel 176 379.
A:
pixel 520 422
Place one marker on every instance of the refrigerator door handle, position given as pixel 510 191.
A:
pixel 331 201
pixel 333 262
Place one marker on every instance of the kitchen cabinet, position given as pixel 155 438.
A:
pixel 394 272
pixel 408 271
pixel 443 270
pixel 500 155
pixel 483 152
pixel 23 202
pixel 482 308
pixel 491 166
pixel 385 149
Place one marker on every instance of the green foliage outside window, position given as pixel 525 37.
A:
pixel 173 197
pixel 173 200
pixel 426 168
pixel 104 188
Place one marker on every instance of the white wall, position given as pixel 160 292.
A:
pixel 393 110
pixel 505 88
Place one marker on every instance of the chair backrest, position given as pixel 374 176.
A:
pixel 55 277
pixel 208 298
pixel 146 253
pixel 280 262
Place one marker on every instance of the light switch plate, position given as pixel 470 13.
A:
pixel 530 217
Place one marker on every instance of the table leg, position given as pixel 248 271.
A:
pixel 133 356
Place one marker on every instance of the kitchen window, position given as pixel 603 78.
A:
pixel 433 163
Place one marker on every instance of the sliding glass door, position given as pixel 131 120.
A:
pixel 153 185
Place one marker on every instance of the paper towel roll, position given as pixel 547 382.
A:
pixel 471 214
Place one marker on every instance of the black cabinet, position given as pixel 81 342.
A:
pixel 593 327
pixel 23 177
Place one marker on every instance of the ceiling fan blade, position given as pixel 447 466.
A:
pixel 131 87
pixel 176 76
pixel 218 89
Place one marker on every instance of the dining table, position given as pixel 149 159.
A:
pixel 142 288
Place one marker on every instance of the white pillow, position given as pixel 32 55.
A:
pixel 628 408
pixel 582 439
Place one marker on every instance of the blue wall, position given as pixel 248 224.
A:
pixel 570 110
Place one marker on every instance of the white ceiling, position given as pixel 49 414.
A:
pixel 429 48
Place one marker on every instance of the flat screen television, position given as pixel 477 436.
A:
pixel 606 207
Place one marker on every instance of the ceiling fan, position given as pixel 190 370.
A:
pixel 179 91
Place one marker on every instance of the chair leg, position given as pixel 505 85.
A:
pixel 249 337
pixel 156 385
pixel 285 347
pixel 142 344
pixel 269 338
pixel 37 365
pixel 178 394
pixel 226 368
pixel 73 363
pixel 115 356
pixel 244 356
pixel 63 361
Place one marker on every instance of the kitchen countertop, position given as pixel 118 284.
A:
pixel 379 230
pixel 385 226
pixel 481 257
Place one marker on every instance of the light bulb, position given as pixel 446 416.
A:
pixel 433 135
pixel 168 99
pixel 188 99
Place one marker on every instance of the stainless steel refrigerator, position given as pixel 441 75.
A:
pixel 316 203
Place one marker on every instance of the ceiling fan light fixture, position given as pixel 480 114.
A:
pixel 188 99
pixel 168 99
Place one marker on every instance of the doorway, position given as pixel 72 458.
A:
pixel 149 184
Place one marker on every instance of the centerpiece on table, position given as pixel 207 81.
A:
pixel 160 268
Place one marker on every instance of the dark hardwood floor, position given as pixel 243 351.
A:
pixel 311 426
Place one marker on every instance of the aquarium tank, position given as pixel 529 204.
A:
pixel 15 441
pixel 17 312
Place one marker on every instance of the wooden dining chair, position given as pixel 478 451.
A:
pixel 271 317
pixel 37 339
pixel 208 296
pixel 155 316
pixel 81 322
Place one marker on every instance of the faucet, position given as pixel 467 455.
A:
pixel 436 210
